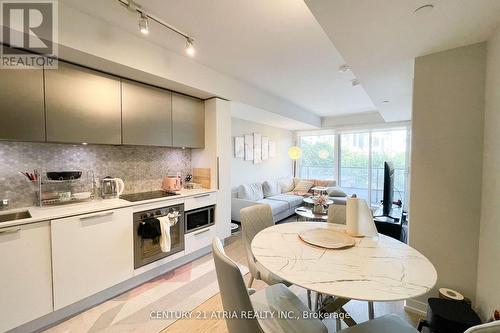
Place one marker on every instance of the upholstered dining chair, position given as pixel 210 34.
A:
pixel 253 220
pixel 493 327
pixel 277 298
pixel 336 214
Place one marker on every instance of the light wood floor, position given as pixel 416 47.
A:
pixel 235 249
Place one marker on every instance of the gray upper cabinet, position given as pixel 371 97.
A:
pixel 82 105
pixel 21 105
pixel 146 115
pixel 188 119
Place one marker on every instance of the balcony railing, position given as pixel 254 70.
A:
pixel 354 180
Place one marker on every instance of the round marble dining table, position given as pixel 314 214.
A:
pixel 375 269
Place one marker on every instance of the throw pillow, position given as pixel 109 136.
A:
pixel 336 191
pixel 303 186
pixel 271 188
pixel 286 185
pixel 252 192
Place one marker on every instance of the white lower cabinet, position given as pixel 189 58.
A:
pixel 25 274
pixel 199 239
pixel 91 253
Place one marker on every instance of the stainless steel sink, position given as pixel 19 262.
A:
pixel 15 216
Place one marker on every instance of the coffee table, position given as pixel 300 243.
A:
pixel 308 214
pixel 319 190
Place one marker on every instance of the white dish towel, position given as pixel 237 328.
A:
pixel 165 223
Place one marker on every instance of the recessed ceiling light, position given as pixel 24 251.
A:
pixel 355 82
pixel 423 10
pixel 344 68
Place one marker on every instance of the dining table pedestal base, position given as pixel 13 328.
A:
pixel 371 310
pixel 330 304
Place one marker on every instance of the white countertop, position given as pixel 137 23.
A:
pixel 375 269
pixel 56 212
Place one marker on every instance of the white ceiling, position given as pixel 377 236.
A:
pixel 257 115
pixel 381 38
pixel 275 45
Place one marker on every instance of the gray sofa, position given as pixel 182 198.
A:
pixel 278 194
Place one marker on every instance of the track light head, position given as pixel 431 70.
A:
pixel 344 68
pixel 190 47
pixel 143 23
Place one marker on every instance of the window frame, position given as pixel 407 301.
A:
pixel 337 132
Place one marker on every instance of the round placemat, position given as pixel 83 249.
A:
pixel 326 238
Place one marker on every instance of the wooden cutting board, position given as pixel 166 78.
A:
pixel 326 238
pixel 202 176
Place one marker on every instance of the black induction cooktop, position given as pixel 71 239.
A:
pixel 147 195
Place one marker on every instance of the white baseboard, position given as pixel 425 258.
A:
pixel 416 307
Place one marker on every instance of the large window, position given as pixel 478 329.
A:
pixel 318 152
pixel 388 146
pixel 356 159
pixel 355 163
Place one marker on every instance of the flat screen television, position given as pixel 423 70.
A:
pixel 388 188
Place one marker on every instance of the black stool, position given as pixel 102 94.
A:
pixel 448 316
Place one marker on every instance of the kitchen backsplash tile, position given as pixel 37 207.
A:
pixel 141 168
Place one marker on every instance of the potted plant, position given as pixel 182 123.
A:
pixel 319 204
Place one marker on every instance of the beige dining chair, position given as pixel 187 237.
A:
pixel 336 214
pixel 253 220
pixel 276 298
pixel 386 324
pixel 279 299
pixel 493 327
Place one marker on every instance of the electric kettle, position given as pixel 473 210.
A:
pixel 112 187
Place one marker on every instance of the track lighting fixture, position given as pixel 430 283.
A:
pixel 143 23
pixel 190 47
pixel 344 68
pixel 145 18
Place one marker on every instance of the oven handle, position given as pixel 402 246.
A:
pixel 201 232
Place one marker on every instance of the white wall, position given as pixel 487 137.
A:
pixel 446 163
pixel 488 289
pixel 243 172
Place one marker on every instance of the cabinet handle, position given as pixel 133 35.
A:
pixel 201 232
pixel 9 231
pixel 86 217
pixel 201 196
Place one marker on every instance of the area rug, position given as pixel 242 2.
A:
pixel 180 290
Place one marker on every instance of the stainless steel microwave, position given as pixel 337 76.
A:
pixel 199 218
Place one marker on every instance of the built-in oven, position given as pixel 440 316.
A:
pixel 147 242
pixel 199 218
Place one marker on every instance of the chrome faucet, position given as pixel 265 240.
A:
pixel 4 204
